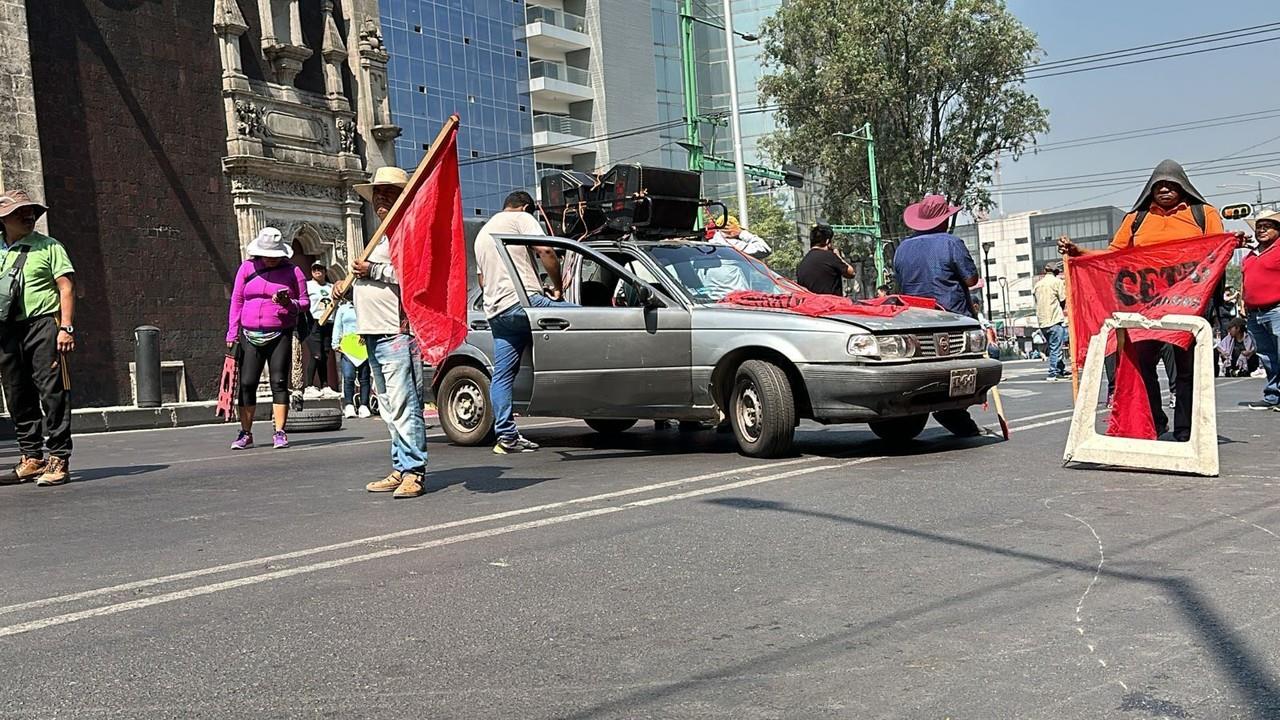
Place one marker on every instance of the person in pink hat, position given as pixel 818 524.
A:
pixel 933 263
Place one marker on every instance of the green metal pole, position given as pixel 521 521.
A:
pixel 875 205
pixel 689 76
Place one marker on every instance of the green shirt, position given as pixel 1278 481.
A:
pixel 46 262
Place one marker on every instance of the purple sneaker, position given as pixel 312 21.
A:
pixel 243 441
pixel 280 440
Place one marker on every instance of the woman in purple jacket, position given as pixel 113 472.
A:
pixel 269 294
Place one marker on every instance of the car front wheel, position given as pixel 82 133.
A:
pixel 762 410
pixel 900 429
pixel 465 414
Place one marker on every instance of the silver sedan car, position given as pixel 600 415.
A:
pixel 651 337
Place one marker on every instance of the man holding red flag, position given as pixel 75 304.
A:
pixel 1169 209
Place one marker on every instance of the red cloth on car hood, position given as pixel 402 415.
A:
pixel 816 305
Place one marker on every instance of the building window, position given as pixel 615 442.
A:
pixel 1023 258
pixel 417 29
pixel 1021 241
pixel 479 212
pixel 520 53
pixel 1024 293
pixel 1023 276
pixel 991 261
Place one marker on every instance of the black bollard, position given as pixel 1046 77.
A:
pixel 146 357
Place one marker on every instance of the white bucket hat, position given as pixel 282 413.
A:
pixel 1271 215
pixel 269 243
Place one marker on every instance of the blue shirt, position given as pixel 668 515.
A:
pixel 936 266
pixel 344 322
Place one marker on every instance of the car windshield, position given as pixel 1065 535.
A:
pixel 711 272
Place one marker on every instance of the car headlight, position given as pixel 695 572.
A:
pixel 893 347
pixel 863 346
pixel 976 341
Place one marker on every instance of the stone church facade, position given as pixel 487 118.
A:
pixel 164 134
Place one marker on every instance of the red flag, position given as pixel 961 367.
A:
pixel 1175 278
pixel 430 256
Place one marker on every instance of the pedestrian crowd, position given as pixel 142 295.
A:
pixel 380 363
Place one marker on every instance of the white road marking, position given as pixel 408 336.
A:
pixel 1041 415
pixel 217 569
pixel 259 578
pixel 1246 522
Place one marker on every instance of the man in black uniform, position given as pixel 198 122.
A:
pixel 822 270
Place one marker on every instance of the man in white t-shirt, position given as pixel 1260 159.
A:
pixel 507 319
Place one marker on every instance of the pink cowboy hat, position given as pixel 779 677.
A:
pixel 929 213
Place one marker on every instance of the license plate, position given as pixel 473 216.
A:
pixel 964 382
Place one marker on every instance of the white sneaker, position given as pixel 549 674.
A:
pixel 364 411
pixel 311 393
pixel 330 394
pixel 349 411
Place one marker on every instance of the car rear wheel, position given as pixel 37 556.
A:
pixel 609 427
pixel 900 429
pixel 762 410
pixel 466 415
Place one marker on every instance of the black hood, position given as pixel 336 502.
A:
pixel 1172 172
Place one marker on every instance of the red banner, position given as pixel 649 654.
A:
pixel 430 255
pixel 1174 278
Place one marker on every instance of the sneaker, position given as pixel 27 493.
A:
pixel 279 440
pixel 1173 401
pixel 1051 378
pixel 56 472
pixel 28 468
pixel 410 486
pixel 364 412
pixel 311 393
pixel 243 441
pixel 513 445
pixel 329 394
pixel 349 411
pixel 386 484
pixel 1262 405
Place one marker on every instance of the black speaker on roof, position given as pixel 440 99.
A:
pixel 652 200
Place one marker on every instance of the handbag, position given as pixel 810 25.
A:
pixel 11 287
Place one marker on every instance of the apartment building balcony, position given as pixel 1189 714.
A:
pixel 556 139
pixel 553 30
pixel 557 82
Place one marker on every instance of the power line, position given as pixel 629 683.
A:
pixel 1139 133
pixel 1130 171
pixel 1143 49
pixel 1035 76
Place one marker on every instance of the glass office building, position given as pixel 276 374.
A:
pixel 468 58
pixel 1090 228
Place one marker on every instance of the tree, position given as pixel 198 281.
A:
pixel 940 81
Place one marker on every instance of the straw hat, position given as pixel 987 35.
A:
pixel 1271 215
pixel 387 175
pixel 269 243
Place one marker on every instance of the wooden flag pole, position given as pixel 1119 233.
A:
pixel 1071 329
pixel 415 181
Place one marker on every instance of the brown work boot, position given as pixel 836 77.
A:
pixel 386 484
pixel 27 469
pixel 410 486
pixel 56 472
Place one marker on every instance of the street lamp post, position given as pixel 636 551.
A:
pixel 1004 299
pixel 986 274
pixel 735 117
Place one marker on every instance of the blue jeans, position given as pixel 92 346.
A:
pixel 511 335
pixel 1265 329
pixel 350 375
pixel 396 366
pixel 1057 335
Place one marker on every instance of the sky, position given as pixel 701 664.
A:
pixel 1164 92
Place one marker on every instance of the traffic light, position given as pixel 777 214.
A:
pixel 1238 211
pixel 793 176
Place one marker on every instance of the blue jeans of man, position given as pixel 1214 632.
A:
pixel 511 335
pixel 1057 336
pixel 396 366
pixel 1265 329
pixel 350 376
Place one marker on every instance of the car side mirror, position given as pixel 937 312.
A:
pixel 648 298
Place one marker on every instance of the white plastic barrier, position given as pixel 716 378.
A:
pixel 1199 456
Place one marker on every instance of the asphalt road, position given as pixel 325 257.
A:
pixel 654 575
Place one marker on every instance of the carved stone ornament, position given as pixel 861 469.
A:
pixel 272 186
pixel 346 136
pixel 248 119
pixel 370 36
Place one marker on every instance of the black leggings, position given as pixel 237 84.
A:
pixel 316 361
pixel 277 355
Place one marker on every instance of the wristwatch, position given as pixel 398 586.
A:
pixel 68 329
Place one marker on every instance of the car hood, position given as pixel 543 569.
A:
pixel 909 319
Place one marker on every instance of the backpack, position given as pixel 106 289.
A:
pixel 1197 212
